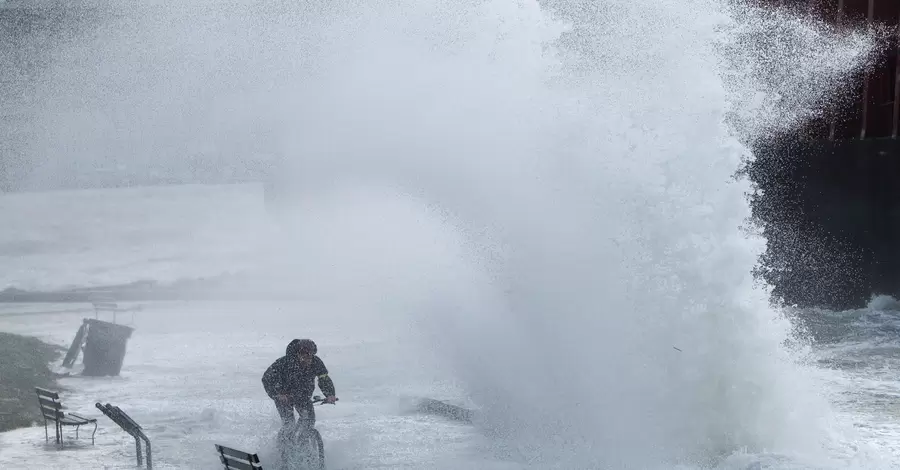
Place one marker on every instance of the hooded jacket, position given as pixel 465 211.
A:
pixel 288 376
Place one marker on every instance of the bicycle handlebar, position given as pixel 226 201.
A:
pixel 318 400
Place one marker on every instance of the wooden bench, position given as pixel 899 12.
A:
pixel 238 460
pixel 132 428
pixel 51 409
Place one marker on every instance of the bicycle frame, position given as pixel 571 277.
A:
pixel 304 421
pixel 302 430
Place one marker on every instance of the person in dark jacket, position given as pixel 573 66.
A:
pixel 291 381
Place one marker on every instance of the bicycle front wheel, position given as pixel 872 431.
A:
pixel 316 450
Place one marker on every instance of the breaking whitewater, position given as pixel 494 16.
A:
pixel 528 209
pixel 192 371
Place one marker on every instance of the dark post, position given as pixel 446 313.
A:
pixel 897 80
pixel 104 350
pixel 137 453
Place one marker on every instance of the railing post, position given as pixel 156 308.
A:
pixel 149 453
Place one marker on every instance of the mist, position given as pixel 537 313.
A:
pixel 546 194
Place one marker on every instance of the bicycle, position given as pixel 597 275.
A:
pixel 301 444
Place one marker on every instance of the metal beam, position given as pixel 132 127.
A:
pixel 864 119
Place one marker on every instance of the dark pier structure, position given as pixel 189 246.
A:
pixel 830 198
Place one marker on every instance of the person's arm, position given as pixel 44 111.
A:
pixel 325 383
pixel 271 380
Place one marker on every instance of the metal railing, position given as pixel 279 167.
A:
pixel 131 427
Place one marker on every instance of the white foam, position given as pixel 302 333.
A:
pixel 192 375
pixel 527 218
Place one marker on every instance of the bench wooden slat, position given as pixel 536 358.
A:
pixel 76 422
pixel 78 418
pixel 239 460
pixel 52 414
pixel 50 408
pixel 46 393
pixel 252 458
pixel 49 403
pixel 237 464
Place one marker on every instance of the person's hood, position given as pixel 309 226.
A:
pixel 292 348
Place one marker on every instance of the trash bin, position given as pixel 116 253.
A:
pixel 104 349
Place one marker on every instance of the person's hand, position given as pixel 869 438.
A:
pixel 330 400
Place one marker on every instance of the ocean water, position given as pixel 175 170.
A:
pixel 526 207
pixel 192 372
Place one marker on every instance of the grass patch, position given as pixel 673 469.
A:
pixel 24 365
